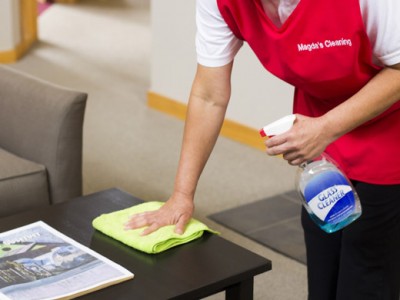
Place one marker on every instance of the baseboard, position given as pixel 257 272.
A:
pixel 230 129
pixel 10 56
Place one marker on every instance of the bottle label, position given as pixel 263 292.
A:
pixel 330 197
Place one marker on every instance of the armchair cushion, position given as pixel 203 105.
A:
pixel 16 172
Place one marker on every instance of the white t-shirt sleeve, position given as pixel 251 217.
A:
pixel 216 45
pixel 382 22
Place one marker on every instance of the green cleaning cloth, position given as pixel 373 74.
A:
pixel 112 224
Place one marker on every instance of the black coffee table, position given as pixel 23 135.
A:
pixel 195 270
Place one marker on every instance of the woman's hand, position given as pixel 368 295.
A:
pixel 176 211
pixel 307 139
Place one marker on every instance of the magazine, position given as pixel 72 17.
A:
pixel 38 262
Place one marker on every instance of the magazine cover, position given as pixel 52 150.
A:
pixel 38 262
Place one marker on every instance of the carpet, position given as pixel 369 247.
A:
pixel 273 222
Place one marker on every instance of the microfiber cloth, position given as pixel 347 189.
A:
pixel 112 224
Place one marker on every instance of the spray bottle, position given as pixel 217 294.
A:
pixel 326 193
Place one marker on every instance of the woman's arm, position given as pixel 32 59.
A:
pixel 310 136
pixel 208 102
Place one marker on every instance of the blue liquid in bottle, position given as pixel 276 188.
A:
pixel 327 194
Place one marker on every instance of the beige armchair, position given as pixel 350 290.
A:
pixel 41 127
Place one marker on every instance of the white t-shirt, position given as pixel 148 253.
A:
pixel 216 45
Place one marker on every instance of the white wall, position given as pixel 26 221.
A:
pixel 257 97
pixel 9 24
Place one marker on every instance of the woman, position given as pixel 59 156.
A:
pixel 343 58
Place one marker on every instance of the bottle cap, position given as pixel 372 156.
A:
pixel 279 126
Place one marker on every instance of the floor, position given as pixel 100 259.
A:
pixel 274 222
pixel 103 47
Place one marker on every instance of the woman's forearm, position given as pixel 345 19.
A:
pixel 206 111
pixel 374 98
pixel 310 136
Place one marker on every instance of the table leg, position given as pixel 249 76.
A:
pixel 241 291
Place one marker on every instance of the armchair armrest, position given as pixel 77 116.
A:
pixel 42 122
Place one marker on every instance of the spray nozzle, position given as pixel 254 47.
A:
pixel 279 126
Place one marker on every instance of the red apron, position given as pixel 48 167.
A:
pixel 324 52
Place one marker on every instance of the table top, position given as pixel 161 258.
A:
pixel 191 271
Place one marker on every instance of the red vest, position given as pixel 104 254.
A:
pixel 324 52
